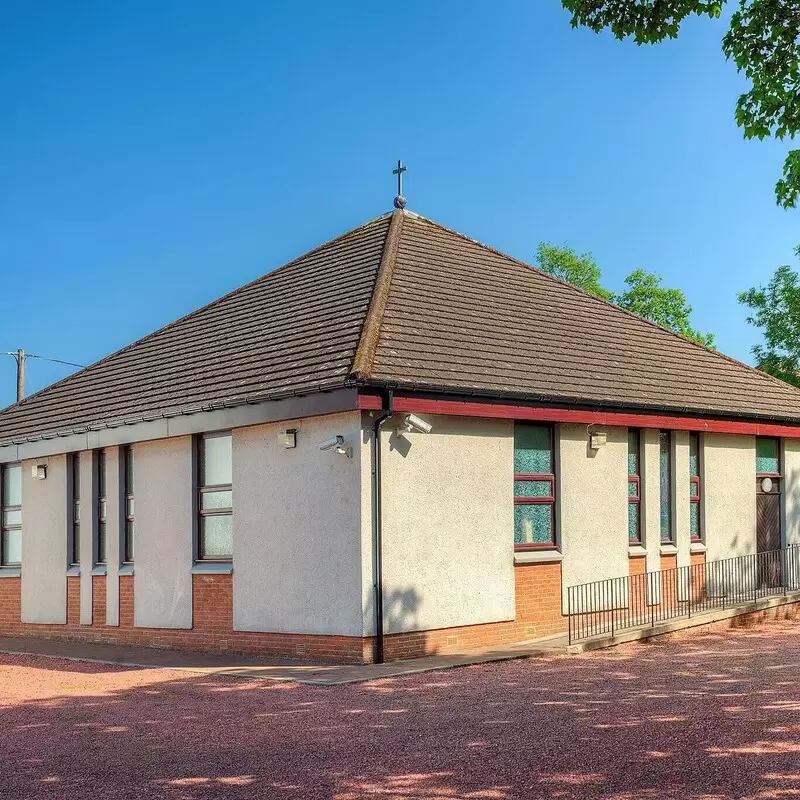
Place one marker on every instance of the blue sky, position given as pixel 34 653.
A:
pixel 156 154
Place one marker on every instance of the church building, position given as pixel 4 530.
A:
pixel 403 442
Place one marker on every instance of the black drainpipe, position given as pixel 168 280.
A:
pixel 377 535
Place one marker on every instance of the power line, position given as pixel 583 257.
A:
pixel 56 360
pixel 20 356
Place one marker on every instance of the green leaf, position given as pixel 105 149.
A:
pixel 763 41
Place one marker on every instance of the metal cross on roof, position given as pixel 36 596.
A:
pixel 399 201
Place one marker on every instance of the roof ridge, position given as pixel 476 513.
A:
pixel 791 389
pixel 193 313
pixel 364 357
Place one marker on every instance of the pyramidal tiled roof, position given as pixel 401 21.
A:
pixel 403 302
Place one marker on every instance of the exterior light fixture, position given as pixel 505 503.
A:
pixel 287 438
pixel 39 471
pixel 598 439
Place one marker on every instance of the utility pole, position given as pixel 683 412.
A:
pixel 21 358
pixel 20 374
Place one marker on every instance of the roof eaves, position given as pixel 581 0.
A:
pixel 566 402
pixel 153 416
pixel 370 333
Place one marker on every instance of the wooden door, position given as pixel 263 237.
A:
pixel 768 531
pixel 768 522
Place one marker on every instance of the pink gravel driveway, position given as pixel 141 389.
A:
pixel 716 716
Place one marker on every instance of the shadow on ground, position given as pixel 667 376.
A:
pixel 707 718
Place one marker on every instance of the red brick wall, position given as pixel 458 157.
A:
pixel 538 613
pixel 98 600
pixel 73 601
pixel 669 561
pixel 637 565
pixel 213 623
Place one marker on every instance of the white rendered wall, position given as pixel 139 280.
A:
pixel 88 527
pixel 164 534
pixel 113 534
pixel 44 543
pixel 593 505
pixel 297 529
pixel 728 495
pixel 680 500
pixel 447 524
pixel 651 498
pixel 791 490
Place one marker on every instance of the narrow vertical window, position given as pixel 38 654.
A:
pixel 768 459
pixel 75 509
pixel 215 498
pixel 100 466
pixel 665 474
pixel 534 487
pixel 634 489
pixel 695 526
pixel 127 483
pixel 11 515
pixel 769 535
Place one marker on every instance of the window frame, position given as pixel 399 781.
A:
pixel 695 483
pixel 777 477
pixel 74 516
pixel 128 516
pixel 636 499
pixel 101 508
pixel 8 528
pixel 550 499
pixel 670 542
pixel 201 489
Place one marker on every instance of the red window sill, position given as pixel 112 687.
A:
pixel 523 547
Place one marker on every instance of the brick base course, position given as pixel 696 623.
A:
pixel 538 613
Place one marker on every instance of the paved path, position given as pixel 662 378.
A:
pixel 708 718
pixel 276 669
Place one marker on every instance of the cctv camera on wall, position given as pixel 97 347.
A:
pixel 414 423
pixel 329 444
pixel 336 443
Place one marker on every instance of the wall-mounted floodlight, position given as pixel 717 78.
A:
pixel 412 422
pixel 597 439
pixel 288 438
pixel 336 443
pixel 39 471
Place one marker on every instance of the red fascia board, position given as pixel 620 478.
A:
pixel 459 408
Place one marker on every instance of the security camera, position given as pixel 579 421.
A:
pixel 329 444
pixel 414 423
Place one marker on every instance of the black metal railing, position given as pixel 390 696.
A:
pixel 634 601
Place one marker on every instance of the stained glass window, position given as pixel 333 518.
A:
pixel 533 449
pixel 694 521
pixel 534 486
pixel 695 530
pixel 767 456
pixel 533 524
pixel 634 514
pixel 665 483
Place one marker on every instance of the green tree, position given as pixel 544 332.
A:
pixel 646 297
pixel 763 41
pixel 776 312
pixel 580 270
